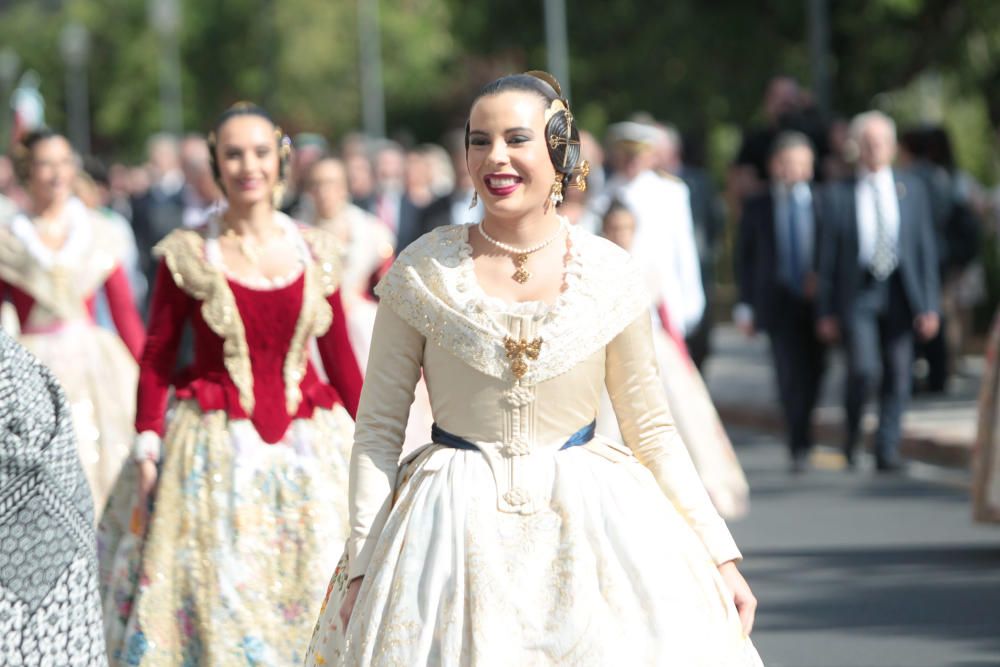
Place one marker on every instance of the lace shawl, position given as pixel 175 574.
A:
pixel 433 287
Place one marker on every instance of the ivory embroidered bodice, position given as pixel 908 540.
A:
pixel 61 282
pixel 434 316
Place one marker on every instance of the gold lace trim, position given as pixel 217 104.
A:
pixel 432 287
pixel 184 252
pixel 321 278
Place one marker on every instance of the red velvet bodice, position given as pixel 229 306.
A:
pixel 269 319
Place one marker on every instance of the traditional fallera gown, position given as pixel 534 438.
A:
pixel 986 460
pixel 54 293
pixel 521 539
pixel 250 513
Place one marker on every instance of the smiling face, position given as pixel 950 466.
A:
pixel 247 155
pixel 53 172
pixel 508 157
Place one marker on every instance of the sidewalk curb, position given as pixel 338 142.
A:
pixel 920 447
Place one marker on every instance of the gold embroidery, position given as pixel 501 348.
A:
pixel 184 253
pixel 432 286
pixel 320 281
pixel 517 350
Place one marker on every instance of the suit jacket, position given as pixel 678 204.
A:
pixel 437 214
pixel 757 255
pixel 841 274
pixel 408 227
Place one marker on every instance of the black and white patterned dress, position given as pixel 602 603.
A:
pixel 50 610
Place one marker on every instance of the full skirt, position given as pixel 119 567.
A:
pixel 99 377
pixel 608 573
pixel 240 542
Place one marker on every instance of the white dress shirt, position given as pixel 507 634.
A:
pixel 882 182
pixel 664 243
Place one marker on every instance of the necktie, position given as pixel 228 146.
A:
pixel 884 260
pixel 792 252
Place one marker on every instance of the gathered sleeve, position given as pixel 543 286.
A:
pixel 123 311
pixel 392 374
pixel 648 429
pixel 168 312
pixel 338 357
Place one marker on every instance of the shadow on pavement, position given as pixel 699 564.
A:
pixel 928 592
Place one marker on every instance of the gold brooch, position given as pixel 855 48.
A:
pixel 517 350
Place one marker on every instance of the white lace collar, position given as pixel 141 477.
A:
pixel 77 239
pixel 213 254
pixel 433 287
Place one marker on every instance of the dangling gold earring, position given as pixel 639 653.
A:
pixel 475 200
pixel 556 193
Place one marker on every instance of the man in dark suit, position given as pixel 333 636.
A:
pixel 390 204
pixel 878 282
pixel 456 207
pixel 779 235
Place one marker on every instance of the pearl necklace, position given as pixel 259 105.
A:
pixel 520 255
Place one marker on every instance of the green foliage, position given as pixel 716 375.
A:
pixel 701 66
pixel 297 57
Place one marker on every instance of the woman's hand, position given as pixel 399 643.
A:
pixel 746 603
pixel 147 474
pixel 349 599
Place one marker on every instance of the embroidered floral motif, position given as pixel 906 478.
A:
pixel 432 286
pixel 517 496
pixel 518 396
pixel 516 447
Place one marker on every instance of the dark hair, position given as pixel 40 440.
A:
pixel 564 154
pixel 22 150
pixel 791 139
pixel 284 143
pixel 616 206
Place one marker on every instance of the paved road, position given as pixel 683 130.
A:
pixel 855 570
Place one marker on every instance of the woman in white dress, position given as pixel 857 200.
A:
pixel 517 537
pixel 697 419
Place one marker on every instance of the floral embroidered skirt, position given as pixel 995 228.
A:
pixel 240 542
pixel 99 376
pixel 607 574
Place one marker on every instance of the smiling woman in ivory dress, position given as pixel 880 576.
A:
pixel 250 480
pixel 518 537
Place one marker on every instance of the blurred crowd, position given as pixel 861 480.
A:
pixel 683 231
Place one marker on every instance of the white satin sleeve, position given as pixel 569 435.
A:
pixel 393 371
pixel 648 429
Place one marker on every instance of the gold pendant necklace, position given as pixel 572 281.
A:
pixel 520 255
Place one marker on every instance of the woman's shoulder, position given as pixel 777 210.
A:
pixel 439 243
pixel 183 254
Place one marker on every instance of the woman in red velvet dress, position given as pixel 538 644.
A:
pixel 54 259
pixel 229 564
